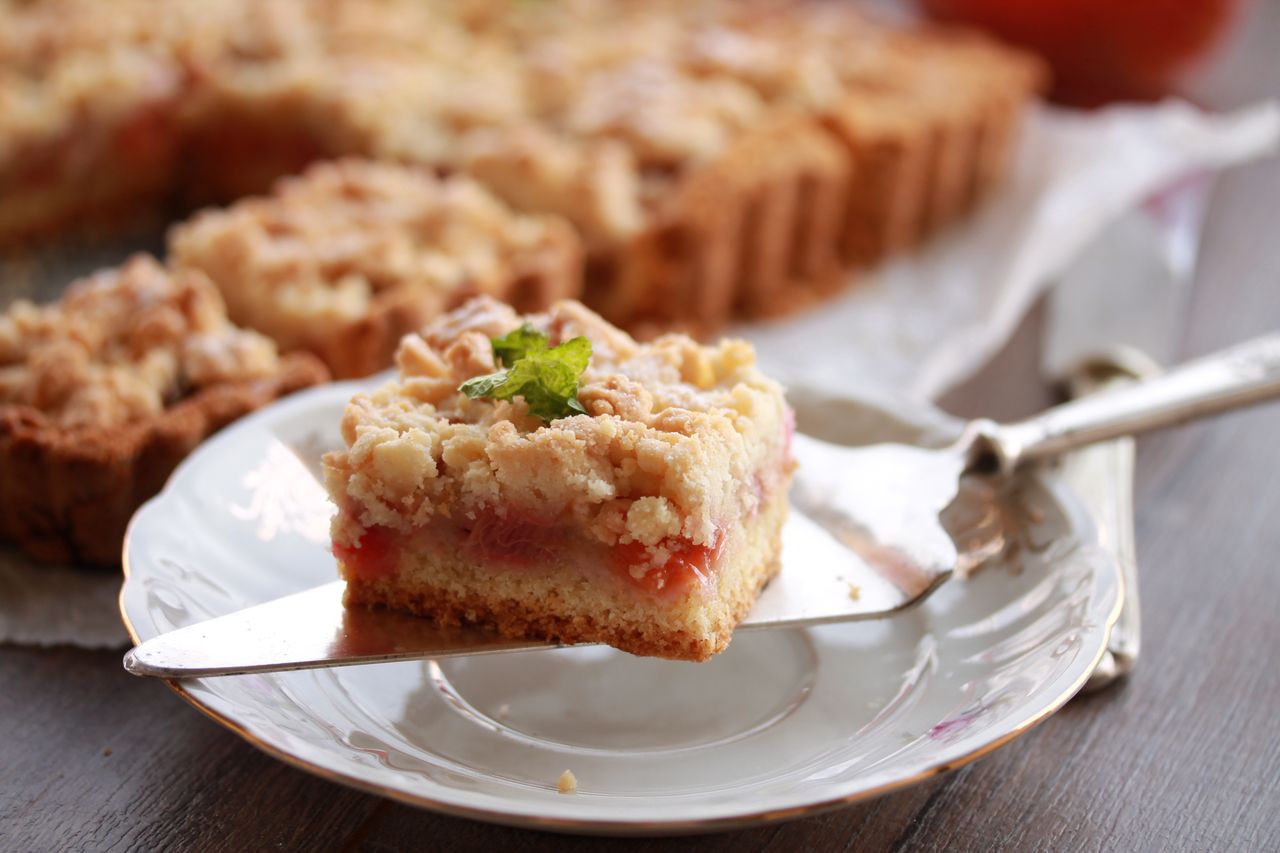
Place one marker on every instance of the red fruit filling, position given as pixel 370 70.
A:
pixel 372 557
pixel 688 563
pixel 513 541
pixel 145 140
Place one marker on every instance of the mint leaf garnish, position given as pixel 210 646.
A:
pixel 547 378
pixel 513 346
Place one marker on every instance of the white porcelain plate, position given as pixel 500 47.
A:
pixel 783 723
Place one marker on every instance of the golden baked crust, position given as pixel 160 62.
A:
pixel 753 233
pixel 104 393
pixel 66 495
pixel 930 138
pixel 351 256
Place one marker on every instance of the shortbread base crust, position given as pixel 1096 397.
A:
pixel 561 603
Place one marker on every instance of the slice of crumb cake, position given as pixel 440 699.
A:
pixel 347 258
pixel 643 511
pixel 104 392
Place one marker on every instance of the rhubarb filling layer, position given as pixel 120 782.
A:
pixel 550 581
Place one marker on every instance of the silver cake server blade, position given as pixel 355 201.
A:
pixel 867 537
pixel 301 631
pixel 313 629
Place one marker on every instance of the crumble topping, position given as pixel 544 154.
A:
pixel 567 783
pixel 326 246
pixel 596 185
pixel 587 109
pixel 680 439
pixel 122 344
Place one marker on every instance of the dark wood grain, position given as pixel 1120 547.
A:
pixel 96 759
pixel 1184 756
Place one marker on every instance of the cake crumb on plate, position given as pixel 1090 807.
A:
pixel 567 783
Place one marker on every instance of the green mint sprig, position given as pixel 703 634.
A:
pixel 546 377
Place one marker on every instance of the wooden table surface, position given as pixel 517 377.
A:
pixel 1183 756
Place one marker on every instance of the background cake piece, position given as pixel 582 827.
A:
pixel 720 159
pixel 104 392
pixel 755 233
pixel 347 258
pixel 300 81
pixel 82 138
pixel 111 111
pixel 650 522
pixel 732 160
pixel 932 137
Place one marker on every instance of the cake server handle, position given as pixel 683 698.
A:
pixel 1240 376
pixel 1102 475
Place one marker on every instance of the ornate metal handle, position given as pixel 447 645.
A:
pixel 1241 376
pixel 1102 475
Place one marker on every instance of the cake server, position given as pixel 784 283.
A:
pixel 868 537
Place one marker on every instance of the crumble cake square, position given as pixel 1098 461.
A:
pixel 352 255
pixel 104 392
pixel 645 514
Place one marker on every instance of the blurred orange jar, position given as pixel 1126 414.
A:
pixel 1101 50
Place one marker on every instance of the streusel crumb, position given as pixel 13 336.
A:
pixel 681 440
pixel 352 240
pixel 567 783
pixel 122 344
